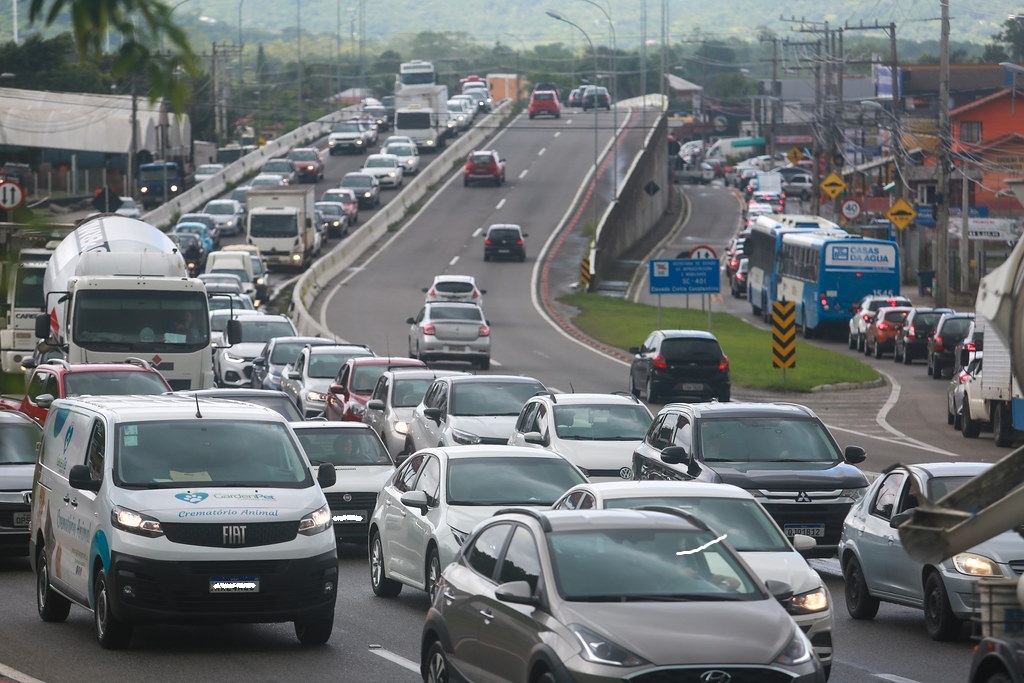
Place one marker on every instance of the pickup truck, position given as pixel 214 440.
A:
pixel 60 379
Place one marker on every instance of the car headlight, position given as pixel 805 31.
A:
pixel 408 162
pixel 296 257
pixel 400 426
pixel 358 142
pixel 464 438
pixel 316 521
pixel 174 188
pixel 459 536
pixel 260 281
pixel 233 359
pixel 797 651
pixel 809 602
pixel 135 523
pixel 316 397
pixel 391 174
pixel 600 650
pixel 367 194
pixel 854 494
pixel 972 564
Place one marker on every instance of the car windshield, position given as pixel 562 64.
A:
pixel 267 180
pixel 491 397
pixel 277 402
pixel 220 453
pixel 649 565
pixel 691 349
pixel 209 169
pixel 259 329
pixel 379 163
pixel 764 441
pixel 325 365
pixel 113 382
pixel 219 320
pixel 346 127
pixel 242 275
pixel 331 208
pixel 601 422
pixel 471 313
pixel 364 377
pixel 203 218
pixel 409 392
pixel 303 155
pixel 18 443
pixel 357 181
pixel 286 352
pixel 277 167
pixel 746 525
pixel 221 208
pixel 401 150
pixel 518 480
pixel 940 487
pixel 344 447
pixel 481 158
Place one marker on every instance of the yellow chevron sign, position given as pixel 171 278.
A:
pixel 783 334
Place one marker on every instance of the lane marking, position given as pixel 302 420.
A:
pixel 14 674
pixel 500 204
pixel 904 441
pixel 397 659
pixel 540 153
pixel 479 231
pixel 557 133
pixel 523 174
pixel 496 363
pixel 895 679
pixel 542 354
pixel 453 261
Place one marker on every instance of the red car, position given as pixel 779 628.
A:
pixel 545 102
pixel 484 165
pixel 347 197
pixel 352 388
pixel 308 164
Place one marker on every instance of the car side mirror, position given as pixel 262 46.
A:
pixel 635 350
pixel 336 389
pixel 400 458
pixel 44 400
pixel 286 373
pixel 259 362
pixel 416 499
pixel 433 413
pixel 482 292
pixel 425 290
pixel 375 404
pixel 674 455
pixel 854 455
pixel 780 590
pixel 900 518
pixel 535 438
pixel 410 321
pixel 326 475
pixel 233 332
pixel 517 593
pixel 803 543
pixel 81 478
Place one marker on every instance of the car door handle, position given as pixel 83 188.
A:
pixel 74 502
pixel 487 614
pixel 67 499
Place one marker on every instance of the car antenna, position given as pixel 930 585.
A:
pixel 572 389
pixel 198 413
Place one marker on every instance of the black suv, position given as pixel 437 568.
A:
pixel 779 452
pixel 504 241
pixel 685 363
pixel 912 340
pixel 949 331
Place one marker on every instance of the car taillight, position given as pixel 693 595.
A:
pixel 484 331
pixel 659 362
pixel 740 276
pixel 487 240
pixel 432 292
pixel 723 364
pixel 429 330
pixel 971 346
pixel 883 326
pixel 938 343
pixel 911 332
pixel 519 241
pixel 476 293
pixel 866 317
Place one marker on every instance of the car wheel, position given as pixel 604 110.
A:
pixel 859 602
pixel 435 666
pixel 996 677
pixel 382 586
pixel 111 633
pixel 547 677
pixel 878 350
pixel 486 257
pixel 433 573
pixel 939 619
pixel 651 391
pixel 969 427
pixel 906 357
pixel 52 606
pixel 485 364
pixel 1002 425
pixel 852 339
pixel 951 415
pixel 929 369
pixel 316 632
pixel 937 370
pixel 632 387
pixel 862 341
pixel 465 182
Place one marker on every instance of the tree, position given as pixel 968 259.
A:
pixel 1012 37
pixel 144 26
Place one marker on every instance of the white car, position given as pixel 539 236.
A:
pixel 394 398
pixel 408 156
pixel 454 288
pixel 308 377
pixel 205 171
pixel 595 432
pixel 386 168
pixel 129 208
pixel 436 497
pixel 228 214
pixel 735 514
pixel 458 115
pixel 219 321
pixel 232 363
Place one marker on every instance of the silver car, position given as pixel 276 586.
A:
pixel 394 398
pixel 385 168
pixel 450 331
pixel 408 156
pixel 308 377
pixel 232 363
pixel 228 214
pixel 454 288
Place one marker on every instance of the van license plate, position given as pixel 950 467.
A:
pixel 235 584
pixel 22 519
pixel 813 530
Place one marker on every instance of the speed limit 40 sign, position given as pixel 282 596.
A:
pixel 851 209
pixel 11 195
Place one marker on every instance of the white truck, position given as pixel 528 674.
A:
pixel 415 72
pixel 998 386
pixel 116 288
pixel 25 302
pixel 280 221
pixel 421 113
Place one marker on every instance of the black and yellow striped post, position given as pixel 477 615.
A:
pixel 585 276
pixel 783 336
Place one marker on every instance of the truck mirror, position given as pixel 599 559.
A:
pixel 42 326
pixel 233 332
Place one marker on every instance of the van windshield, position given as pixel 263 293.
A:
pixel 220 453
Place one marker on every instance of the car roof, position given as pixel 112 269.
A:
pixel 624 398
pixel 741 409
pixel 455 278
pixel 616 518
pixel 59 367
pixel 384 360
pixel 182 405
pixel 17 417
pixel 628 489
pixel 493 378
pixel 413 372
pixel 948 469
pixel 504 225
pixel 321 424
pixel 190 225
pixel 328 348
pixel 687 334
pixel 462 304
pixel 493 451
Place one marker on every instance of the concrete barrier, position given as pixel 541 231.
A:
pixel 321 272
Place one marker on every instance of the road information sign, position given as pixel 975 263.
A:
pixel 783 334
pixel 901 214
pixel 684 276
pixel 11 195
pixel 851 209
pixel 833 185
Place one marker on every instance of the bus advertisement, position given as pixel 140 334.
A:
pixel 827 273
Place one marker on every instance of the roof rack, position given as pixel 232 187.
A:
pixel 61 362
pixel 627 394
pixel 544 522
pixel 682 514
pixel 141 362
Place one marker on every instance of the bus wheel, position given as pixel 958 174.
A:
pixel 808 332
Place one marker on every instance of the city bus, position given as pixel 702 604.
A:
pixel 828 272
pixel 762 247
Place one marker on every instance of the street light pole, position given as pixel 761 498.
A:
pixel 615 99
pixel 593 181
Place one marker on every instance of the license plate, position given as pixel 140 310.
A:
pixel 349 516
pixel 235 584
pixel 22 518
pixel 692 387
pixel 812 530
pixel 455 348
pixel 503 251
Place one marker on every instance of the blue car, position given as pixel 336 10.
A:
pixel 197 229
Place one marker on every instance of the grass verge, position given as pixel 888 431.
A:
pixel 622 324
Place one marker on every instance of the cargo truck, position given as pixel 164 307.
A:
pixel 422 114
pixel 117 288
pixel 280 221
pixel 163 180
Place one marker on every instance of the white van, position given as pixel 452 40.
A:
pixel 235 262
pixel 173 509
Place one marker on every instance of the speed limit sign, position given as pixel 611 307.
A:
pixel 11 195
pixel 851 209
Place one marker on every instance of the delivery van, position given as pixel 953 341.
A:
pixel 174 509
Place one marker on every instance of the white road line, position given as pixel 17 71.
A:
pixel 540 152
pixel 397 659
pixel 453 261
pixel 523 174
pixel 895 679
pixel 557 133
pixel 479 231
pixel 496 363
pixel 903 441
pixel 542 354
pixel 8 672
pixel 500 204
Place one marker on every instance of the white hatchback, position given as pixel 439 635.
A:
pixel 385 168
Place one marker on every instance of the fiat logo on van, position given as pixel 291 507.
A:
pixel 233 534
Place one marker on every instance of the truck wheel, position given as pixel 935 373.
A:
pixel 1002 425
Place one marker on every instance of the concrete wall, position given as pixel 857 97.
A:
pixel 636 212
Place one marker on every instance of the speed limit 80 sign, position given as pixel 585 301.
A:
pixel 11 195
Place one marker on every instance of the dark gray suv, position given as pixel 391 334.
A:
pixel 780 452
pixel 680 363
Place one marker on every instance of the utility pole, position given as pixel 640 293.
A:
pixel 941 252
pixel 772 96
pixel 133 145
pixel 214 95
pixel 816 143
pixel 965 245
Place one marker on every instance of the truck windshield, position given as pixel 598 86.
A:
pixel 156 175
pixel 412 120
pixel 28 292
pixel 272 225
pixel 143 321
pixel 417 77
pixel 220 453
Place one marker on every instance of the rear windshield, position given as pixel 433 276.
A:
pixel 504 234
pixel 454 287
pixel 343 447
pixel 326 365
pixel 456 313
pixel 926 320
pixel 895 316
pixel 480 158
pixel 875 304
pixel 543 96
pixel 691 349
pixel 113 382
pixel 956 326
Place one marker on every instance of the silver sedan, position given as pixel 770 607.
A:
pixel 450 331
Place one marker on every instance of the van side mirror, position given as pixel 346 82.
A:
pixel 81 478
pixel 326 475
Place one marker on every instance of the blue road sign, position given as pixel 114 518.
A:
pixel 684 276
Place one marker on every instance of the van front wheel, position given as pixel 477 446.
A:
pixel 316 632
pixel 111 633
